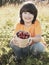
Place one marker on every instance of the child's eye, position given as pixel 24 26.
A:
pixel 25 12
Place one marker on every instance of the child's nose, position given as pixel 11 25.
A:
pixel 27 15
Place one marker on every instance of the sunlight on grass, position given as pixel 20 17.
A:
pixel 9 13
pixel 9 17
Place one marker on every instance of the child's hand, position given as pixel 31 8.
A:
pixel 31 41
pixel 14 41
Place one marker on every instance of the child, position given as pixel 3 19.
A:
pixel 29 23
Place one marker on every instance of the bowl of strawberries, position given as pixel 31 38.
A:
pixel 23 38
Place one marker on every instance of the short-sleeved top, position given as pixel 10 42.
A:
pixel 34 29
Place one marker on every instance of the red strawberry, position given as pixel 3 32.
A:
pixel 23 35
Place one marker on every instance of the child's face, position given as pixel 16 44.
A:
pixel 27 17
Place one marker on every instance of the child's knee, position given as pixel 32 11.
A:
pixel 37 48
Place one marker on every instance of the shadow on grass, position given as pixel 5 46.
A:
pixel 9 59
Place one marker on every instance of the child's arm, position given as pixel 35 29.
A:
pixel 35 39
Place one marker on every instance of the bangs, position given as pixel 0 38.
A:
pixel 27 10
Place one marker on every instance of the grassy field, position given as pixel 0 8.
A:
pixel 9 17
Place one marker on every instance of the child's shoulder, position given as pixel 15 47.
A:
pixel 37 22
pixel 18 24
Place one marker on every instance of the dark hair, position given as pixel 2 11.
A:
pixel 29 7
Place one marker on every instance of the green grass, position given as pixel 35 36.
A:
pixel 9 16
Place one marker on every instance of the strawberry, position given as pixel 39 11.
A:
pixel 23 35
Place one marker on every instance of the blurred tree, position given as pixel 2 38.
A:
pixel 0 2
pixel 3 2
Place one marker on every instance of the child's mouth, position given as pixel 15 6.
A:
pixel 27 18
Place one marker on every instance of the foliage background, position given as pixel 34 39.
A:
pixel 9 17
